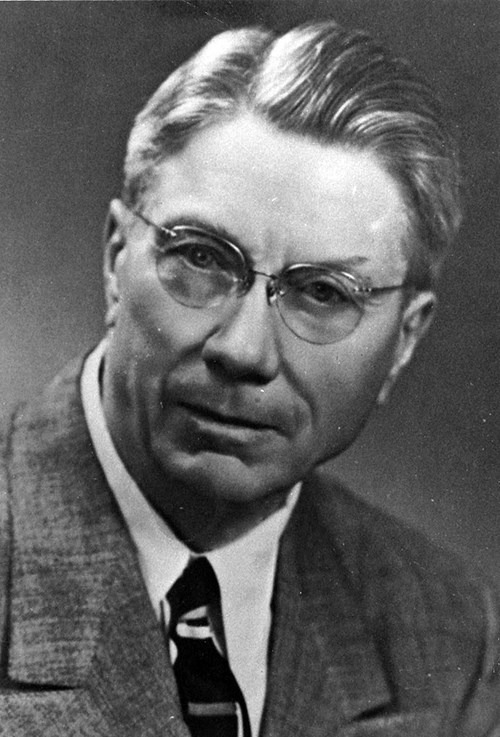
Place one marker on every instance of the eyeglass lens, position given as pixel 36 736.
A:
pixel 200 271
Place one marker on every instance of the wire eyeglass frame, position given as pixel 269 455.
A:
pixel 242 278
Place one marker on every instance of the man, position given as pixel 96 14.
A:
pixel 175 560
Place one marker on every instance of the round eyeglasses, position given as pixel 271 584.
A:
pixel 202 270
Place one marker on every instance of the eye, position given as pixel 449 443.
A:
pixel 318 288
pixel 324 291
pixel 203 257
pixel 198 251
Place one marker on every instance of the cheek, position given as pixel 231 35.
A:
pixel 141 349
pixel 154 326
pixel 342 387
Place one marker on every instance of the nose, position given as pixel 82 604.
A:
pixel 244 343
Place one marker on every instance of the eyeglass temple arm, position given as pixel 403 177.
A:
pixel 376 290
pixel 161 228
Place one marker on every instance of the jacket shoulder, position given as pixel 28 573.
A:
pixel 421 602
pixel 375 546
pixel 48 473
pixel 51 414
pixel 32 434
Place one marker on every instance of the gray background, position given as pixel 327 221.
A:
pixel 73 74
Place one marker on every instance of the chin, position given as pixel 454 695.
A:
pixel 227 477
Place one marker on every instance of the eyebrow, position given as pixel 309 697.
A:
pixel 344 264
pixel 197 222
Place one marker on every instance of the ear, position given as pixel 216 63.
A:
pixel 416 320
pixel 114 238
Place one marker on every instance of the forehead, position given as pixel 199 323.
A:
pixel 284 197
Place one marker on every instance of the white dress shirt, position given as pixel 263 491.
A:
pixel 245 568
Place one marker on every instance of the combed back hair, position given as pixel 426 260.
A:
pixel 330 85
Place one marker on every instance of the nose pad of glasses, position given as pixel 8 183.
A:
pixel 271 291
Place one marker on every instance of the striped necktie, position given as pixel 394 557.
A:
pixel 211 700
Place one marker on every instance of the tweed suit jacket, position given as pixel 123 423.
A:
pixel 374 631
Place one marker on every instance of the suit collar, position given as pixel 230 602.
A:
pixel 321 647
pixel 79 610
pixel 59 567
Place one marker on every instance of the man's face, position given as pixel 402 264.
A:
pixel 235 406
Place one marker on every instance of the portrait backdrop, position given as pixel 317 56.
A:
pixel 73 76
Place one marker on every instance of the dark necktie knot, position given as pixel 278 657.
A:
pixel 196 587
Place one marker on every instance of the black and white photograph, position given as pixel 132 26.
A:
pixel 249 368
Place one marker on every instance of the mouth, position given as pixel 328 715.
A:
pixel 240 422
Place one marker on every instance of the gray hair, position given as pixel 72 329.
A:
pixel 326 83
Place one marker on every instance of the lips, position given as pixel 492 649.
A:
pixel 233 406
pixel 240 420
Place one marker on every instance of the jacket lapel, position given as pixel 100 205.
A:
pixel 80 617
pixel 324 668
pixel 124 685
pixel 131 676
pixel 330 673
